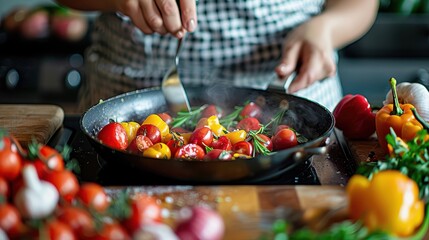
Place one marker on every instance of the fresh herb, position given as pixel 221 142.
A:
pixel 410 158
pixel 187 119
pixel 258 142
pixel 231 119
pixel 345 230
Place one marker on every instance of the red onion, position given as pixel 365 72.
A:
pixel 200 223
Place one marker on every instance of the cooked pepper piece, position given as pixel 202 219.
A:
pixel 354 116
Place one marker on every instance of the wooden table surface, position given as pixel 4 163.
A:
pixel 248 210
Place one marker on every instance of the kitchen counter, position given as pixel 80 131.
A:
pixel 249 209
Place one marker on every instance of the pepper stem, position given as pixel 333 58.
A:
pixel 397 110
pixel 420 119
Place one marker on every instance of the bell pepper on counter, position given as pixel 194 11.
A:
pixel 392 116
pixel 354 116
pixel 410 129
pixel 388 202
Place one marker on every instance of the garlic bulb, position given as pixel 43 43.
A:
pixel 412 93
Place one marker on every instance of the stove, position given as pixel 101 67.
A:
pixel 94 169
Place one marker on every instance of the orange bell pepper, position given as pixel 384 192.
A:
pixel 392 116
pixel 388 202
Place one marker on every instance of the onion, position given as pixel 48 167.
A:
pixel 200 222
pixel 155 231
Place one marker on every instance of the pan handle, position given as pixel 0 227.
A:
pixel 281 85
pixel 319 150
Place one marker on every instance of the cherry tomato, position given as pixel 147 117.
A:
pixel 280 127
pixel 49 159
pixel 176 142
pixel 249 123
pixel 10 220
pixel 156 120
pixel 65 182
pixel 190 151
pixel 58 230
pixel 110 231
pixel 78 219
pixel 212 110
pixel 236 136
pixel 243 147
pixel 114 136
pixel 10 164
pixel 165 117
pixel 93 196
pixel 266 141
pixel 218 154
pixel 144 209
pixel 150 131
pixel 158 150
pixel 131 129
pixel 202 122
pixel 202 136
pixel 285 138
pixel 139 144
pixel 222 143
pixel 251 110
pixel 4 188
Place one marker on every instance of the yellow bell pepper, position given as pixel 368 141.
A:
pixel 215 126
pixel 388 202
pixel 236 136
pixel 158 150
pixel 156 120
pixel 131 129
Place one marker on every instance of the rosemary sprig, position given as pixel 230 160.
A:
pixel 412 159
pixel 231 119
pixel 187 119
pixel 258 142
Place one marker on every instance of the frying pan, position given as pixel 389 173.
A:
pixel 310 119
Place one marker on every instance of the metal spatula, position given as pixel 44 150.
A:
pixel 172 87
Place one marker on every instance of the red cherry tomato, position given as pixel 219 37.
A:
pixel 139 144
pixel 78 219
pixel 58 230
pixel 190 151
pixel 93 196
pixel 65 182
pixel 10 164
pixel 165 117
pixel 144 209
pixel 110 231
pixel 151 131
pixel 280 127
pixel 10 220
pixel 243 147
pixel 249 123
pixel 218 154
pixel 114 136
pixel 48 159
pixel 285 138
pixel 212 110
pixel 4 188
pixel 176 142
pixel 251 110
pixel 266 141
pixel 202 136
pixel 223 143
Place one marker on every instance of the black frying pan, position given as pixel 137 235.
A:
pixel 312 120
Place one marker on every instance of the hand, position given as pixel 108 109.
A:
pixel 307 50
pixel 161 16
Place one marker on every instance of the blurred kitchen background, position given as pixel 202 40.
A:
pixel 43 61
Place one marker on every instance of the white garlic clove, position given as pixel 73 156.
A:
pixel 412 93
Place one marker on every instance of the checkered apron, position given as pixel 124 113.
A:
pixel 237 41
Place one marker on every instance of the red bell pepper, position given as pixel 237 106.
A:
pixel 354 116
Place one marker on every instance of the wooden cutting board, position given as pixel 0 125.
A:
pixel 31 121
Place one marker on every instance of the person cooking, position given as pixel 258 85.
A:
pixel 247 43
